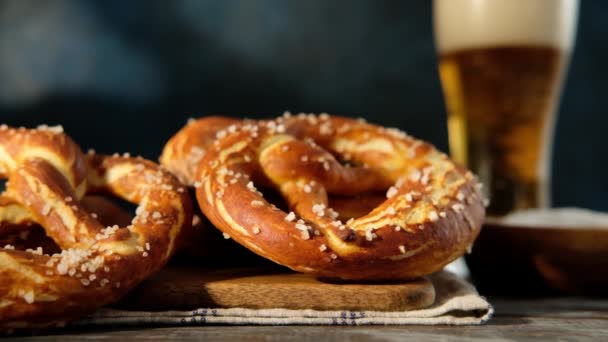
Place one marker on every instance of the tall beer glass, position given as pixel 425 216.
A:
pixel 502 64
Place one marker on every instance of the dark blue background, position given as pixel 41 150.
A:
pixel 125 75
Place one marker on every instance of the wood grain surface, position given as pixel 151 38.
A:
pixel 183 288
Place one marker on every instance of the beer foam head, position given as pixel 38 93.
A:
pixel 464 24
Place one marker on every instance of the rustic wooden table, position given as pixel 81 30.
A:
pixel 515 319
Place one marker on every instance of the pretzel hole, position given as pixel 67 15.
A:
pixel 30 237
pixel 352 207
pixel 273 196
pixel 109 210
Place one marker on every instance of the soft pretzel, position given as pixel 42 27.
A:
pixel 182 155
pixel 432 212
pixel 47 175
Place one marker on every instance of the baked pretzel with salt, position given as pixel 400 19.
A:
pixel 432 213
pixel 47 175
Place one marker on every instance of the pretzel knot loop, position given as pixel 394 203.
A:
pixel 47 175
pixel 431 213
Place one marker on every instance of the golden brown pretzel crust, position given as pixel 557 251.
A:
pixel 47 175
pixel 432 213
pixel 184 151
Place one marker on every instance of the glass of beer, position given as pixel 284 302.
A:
pixel 502 64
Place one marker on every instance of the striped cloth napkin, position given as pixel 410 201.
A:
pixel 456 303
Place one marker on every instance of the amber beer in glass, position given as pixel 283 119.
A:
pixel 502 64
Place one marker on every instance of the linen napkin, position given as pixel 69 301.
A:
pixel 456 303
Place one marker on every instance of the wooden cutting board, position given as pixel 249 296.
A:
pixel 185 288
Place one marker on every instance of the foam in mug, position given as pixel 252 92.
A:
pixel 465 24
